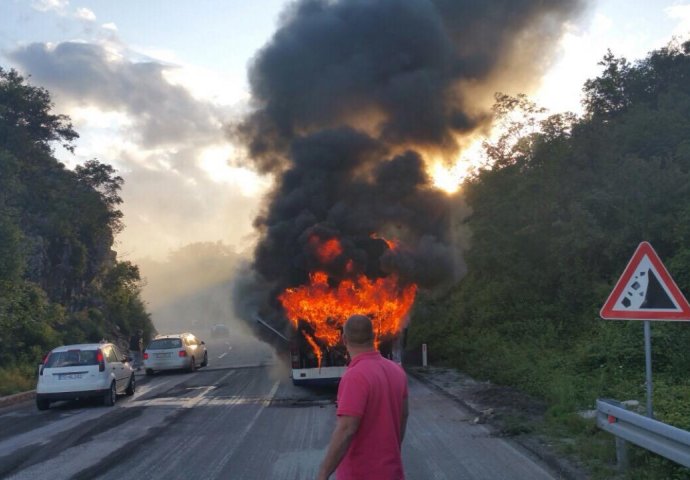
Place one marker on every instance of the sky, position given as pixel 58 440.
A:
pixel 151 86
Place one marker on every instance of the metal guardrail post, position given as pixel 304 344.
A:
pixel 622 461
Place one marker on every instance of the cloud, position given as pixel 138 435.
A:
pixel 89 74
pixel 168 208
pixel 50 5
pixel 681 14
pixel 168 145
pixel 85 14
pixel 109 26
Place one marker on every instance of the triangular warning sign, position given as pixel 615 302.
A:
pixel 646 291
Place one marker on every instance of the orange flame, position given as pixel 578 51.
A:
pixel 328 250
pixel 314 346
pixel 326 308
pixel 392 244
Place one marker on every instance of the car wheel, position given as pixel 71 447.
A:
pixel 111 396
pixel 192 365
pixel 149 371
pixel 42 404
pixel 131 387
pixel 205 362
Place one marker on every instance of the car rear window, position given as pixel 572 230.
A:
pixel 71 358
pixel 163 343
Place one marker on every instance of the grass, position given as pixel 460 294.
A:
pixel 16 379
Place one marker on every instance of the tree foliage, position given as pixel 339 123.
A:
pixel 60 280
pixel 556 214
pixel 26 120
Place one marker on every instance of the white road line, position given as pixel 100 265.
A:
pixel 228 454
pixel 222 355
pixel 149 387
pixel 179 402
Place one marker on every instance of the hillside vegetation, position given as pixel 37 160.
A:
pixel 60 280
pixel 555 219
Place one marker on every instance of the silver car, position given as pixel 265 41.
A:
pixel 173 352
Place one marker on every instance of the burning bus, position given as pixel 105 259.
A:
pixel 318 310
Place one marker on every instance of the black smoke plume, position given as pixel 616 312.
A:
pixel 351 97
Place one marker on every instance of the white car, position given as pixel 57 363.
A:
pixel 82 371
pixel 172 352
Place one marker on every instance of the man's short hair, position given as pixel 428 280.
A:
pixel 359 330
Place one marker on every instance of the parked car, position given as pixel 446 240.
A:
pixel 220 331
pixel 172 352
pixel 82 371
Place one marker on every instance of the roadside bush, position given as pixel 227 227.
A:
pixel 17 379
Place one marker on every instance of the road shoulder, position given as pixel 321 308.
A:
pixel 9 400
pixel 506 411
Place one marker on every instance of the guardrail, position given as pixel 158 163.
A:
pixel 658 437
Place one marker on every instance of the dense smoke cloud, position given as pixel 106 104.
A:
pixel 352 97
pixel 406 71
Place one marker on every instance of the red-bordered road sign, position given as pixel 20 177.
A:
pixel 646 291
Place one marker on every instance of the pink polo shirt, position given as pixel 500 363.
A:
pixel 373 388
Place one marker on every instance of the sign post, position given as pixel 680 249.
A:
pixel 646 291
pixel 648 366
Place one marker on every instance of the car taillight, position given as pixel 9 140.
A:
pixel 100 360
pixel 146 356
pixel 43 363
pixel 182 353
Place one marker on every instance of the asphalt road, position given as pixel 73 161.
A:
pixel 238 418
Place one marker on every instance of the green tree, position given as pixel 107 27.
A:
pixel 60 281
pixel 103 178
pixel 556 213
pixel 122 299
pixel 26 119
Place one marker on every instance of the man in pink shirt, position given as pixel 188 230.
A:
pixel 372 412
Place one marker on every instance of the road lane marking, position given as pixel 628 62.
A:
pixel 149 387
pixel 194 401
pixel 240 439
pixel 222 355
pixel 181 402
pixel 243 366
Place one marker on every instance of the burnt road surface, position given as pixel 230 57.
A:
pixel 238 418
